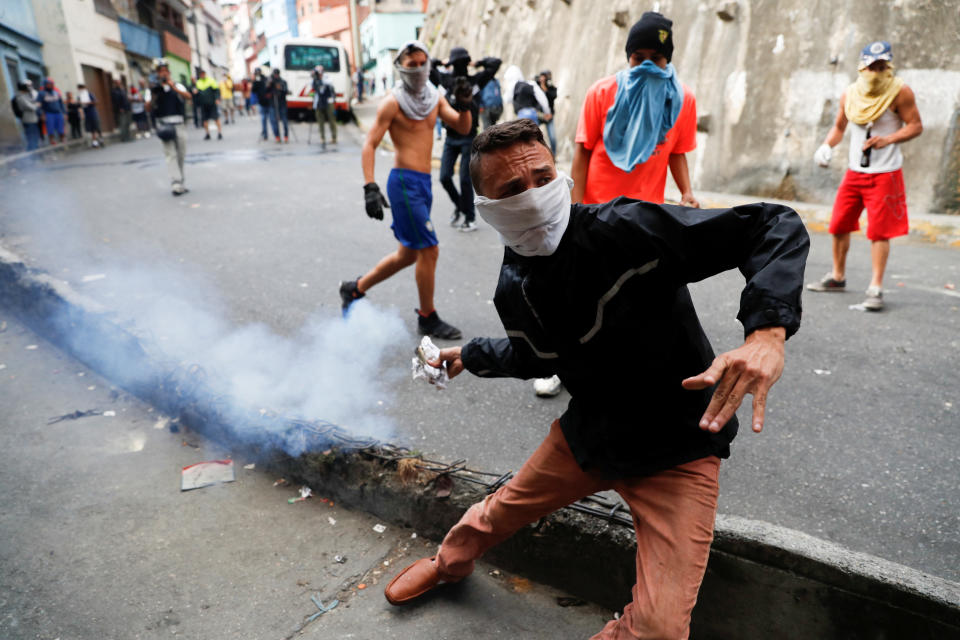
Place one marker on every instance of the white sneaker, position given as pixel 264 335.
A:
pixel 467 227
pixel 547 387
pixel 874 301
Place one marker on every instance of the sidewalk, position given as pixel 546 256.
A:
pixel 99 541
pixel 926 227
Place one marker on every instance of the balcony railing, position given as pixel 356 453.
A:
pixel 139 39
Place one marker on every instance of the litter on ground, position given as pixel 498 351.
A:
pixel 379 528
pixel 205 474
pixel 76 415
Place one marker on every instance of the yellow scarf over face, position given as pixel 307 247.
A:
pixel 871 95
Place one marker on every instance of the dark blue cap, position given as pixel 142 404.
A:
pixel 879 50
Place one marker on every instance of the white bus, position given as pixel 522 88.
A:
pixel 298 57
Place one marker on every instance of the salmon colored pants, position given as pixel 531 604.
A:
pixel 673 515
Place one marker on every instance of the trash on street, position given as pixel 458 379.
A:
pixel 305 493
pixel 205 474
pixel 379 528
pixel 76 415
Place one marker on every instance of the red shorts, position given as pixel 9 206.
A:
pixel 883 196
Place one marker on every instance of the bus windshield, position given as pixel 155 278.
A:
pixel 304 57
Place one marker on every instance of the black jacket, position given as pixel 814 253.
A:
pixel 448 81
pixel 259 89
pixel 610 313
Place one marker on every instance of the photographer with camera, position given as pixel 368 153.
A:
pixel 461 88
pixel 167 103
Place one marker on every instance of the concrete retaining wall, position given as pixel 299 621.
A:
pixel 762 580
pixel 767 79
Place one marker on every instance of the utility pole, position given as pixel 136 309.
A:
pixel 355 34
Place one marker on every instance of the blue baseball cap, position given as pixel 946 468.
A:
pixel 879 50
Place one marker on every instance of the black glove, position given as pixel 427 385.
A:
pixel 374 200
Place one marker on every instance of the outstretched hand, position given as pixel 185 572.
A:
pixel 752 368
pixel 452 357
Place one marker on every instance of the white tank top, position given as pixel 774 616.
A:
pixel 881 160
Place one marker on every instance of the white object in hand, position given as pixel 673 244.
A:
pixel 822 155
pixel 426 352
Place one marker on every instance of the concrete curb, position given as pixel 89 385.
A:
pixel 761 581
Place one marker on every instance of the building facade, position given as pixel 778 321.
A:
pixel 21 51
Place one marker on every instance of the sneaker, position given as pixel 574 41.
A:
pixel 547 387
pixel 828 283
pixel 434 327
pixel 467 227
pixel 455 217
pixel 286 139
pixel 179 190
pixel 349 294
pixel 874 301
pixel 219 136
pixel 206 137
pixel 278 139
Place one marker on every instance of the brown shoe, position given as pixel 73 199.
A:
pixel 413 582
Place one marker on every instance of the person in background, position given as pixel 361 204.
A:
pixel 278 95
pixel 51 104
pixel 407 113
pixel 226 100
pixel 358 79
pixel 240 98
pixel 323 97
pixel 207 95
pixel 263 94
pixel 25 108
pixel 168 103
pixel 91 119
pixel 883 114
pixel 545 80
pixel 633 126
pixel 491 103
pixel 139 112
pixel 460 88
pixel 74 116
pixel 121 110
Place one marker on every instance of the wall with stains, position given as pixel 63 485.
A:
pixel 767 75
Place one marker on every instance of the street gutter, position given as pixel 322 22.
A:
pixel 762 580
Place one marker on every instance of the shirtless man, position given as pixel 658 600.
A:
pixel 409 114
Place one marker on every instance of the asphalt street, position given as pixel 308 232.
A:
pixel 860 446
pixel 98 542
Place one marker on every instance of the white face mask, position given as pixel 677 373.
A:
pixel 531 223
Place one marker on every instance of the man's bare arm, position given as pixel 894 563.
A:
pixel 386 112
pixel 461 121
pixel 681 175
pixel 835 135
pixel 905 104
pixel 578 172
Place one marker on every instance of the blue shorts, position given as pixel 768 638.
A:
pixel 54 123
pixel 410 200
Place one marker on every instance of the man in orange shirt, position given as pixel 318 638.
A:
pixel 634 125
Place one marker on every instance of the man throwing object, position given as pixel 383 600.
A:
pixel 585 289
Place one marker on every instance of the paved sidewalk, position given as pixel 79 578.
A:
pixel 97 541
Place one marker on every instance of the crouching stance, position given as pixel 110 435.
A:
pixel 586 289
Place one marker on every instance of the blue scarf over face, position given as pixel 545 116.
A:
pixel 646 107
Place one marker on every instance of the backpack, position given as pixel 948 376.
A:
pixel 17 111
pixel 490 96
